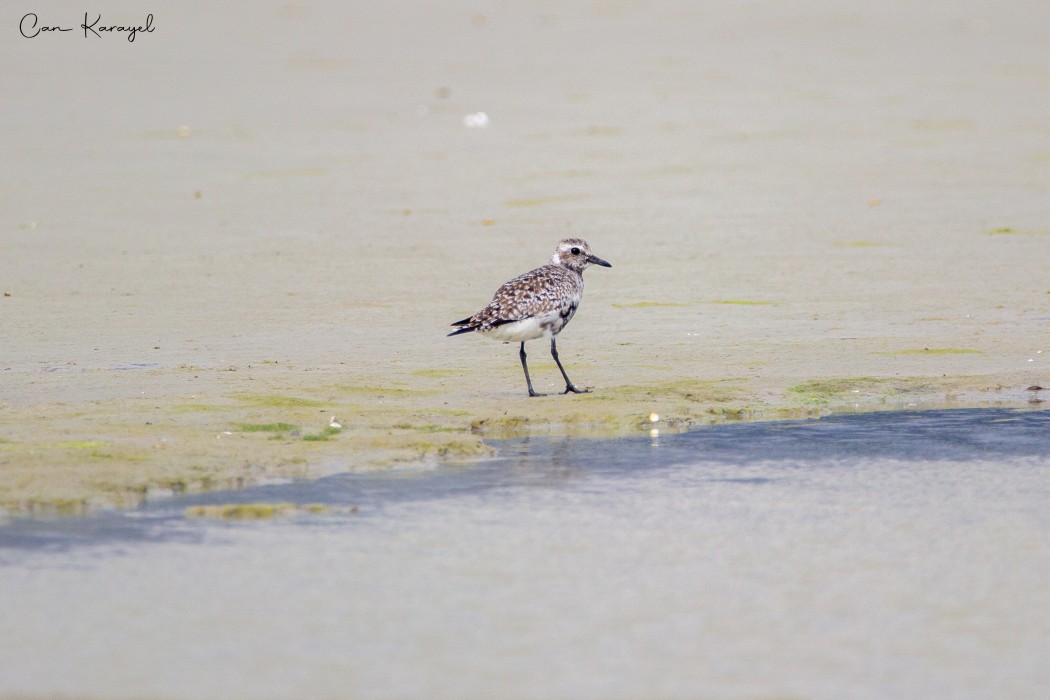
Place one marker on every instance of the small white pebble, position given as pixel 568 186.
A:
pixel 334 423
pixel 478 120
pixel 654 417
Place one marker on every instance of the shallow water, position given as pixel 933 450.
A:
pixel 879 555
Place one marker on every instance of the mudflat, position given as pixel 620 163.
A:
pixel 227 257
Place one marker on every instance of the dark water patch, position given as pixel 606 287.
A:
pixel 955 435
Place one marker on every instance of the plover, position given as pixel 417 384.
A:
pixel 538 304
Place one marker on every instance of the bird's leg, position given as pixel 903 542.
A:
pixel 569 386
pixel 526 368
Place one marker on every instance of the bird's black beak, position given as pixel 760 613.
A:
pixel 595 260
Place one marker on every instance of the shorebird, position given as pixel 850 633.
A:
pixel 538 304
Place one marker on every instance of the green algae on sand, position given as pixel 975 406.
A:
pixel 255 511
pixel 267 427
pixel 1010 231
pixel 825 392
pixel 328 433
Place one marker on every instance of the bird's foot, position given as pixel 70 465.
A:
pixel 574 389
pixel 534 393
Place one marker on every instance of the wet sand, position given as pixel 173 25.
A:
pixel 212 242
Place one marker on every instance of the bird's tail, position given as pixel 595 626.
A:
pixel 467 328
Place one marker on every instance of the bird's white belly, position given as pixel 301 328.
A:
pixel 520 331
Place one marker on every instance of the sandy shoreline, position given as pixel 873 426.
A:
pixel 69 458
pixel 806 210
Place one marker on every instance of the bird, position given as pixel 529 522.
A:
pixel 537 304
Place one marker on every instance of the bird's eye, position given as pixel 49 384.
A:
pixel 575 251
